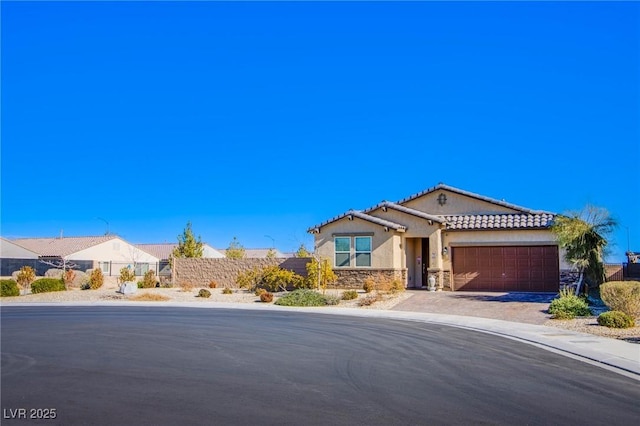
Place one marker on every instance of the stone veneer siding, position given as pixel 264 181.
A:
pixel 200 272
pixel 446 279
pixel 354 278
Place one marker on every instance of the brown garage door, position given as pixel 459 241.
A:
pixel 506 268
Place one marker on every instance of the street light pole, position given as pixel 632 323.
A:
pixel 273 242
pixel 105 221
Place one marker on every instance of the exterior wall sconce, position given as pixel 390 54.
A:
pixel 442 199
pixel 445 251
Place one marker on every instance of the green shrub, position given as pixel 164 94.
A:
pixel 96 279
pixel 275 278
pixel 331 299
pixel 568 306
pixel 227 290
pixel 126 275
pixel 9 288
pixel 148 281
pixel 271 278
pixel 45 285
pixel 249 279
pixel 623 296
pixel 266 297
pixel 204 293
pixel 349 295
pixel 302 297
pixel 616 319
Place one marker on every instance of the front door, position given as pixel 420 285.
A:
pixel 425 261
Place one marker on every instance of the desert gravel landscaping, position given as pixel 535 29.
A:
pixel 429 303
pixel 178 295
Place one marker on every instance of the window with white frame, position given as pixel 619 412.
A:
pixel 105 267
pixel 363 251
pixel 342 251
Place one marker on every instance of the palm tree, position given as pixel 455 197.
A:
pixel 583 235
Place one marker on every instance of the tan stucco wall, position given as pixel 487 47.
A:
pixel 385 244
pixel 456 204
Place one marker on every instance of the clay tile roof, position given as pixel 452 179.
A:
pixel 161 251
pixel 361 215
pixel 414 212
pixel 499 221
pixel 59 247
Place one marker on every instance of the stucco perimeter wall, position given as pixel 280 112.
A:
pixel 200 272
pixel 354 278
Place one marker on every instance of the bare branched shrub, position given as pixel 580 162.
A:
pixel 623 296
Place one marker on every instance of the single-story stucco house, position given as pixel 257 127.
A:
pixel 463 240
pixel 110 253
pixel 13 257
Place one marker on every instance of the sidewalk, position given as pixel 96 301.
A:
pixel 615 355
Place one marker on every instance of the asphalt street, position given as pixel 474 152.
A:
pixel 157 366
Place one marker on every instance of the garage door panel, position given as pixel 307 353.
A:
pixel 508 268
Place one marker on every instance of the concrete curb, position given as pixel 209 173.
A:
pixel 615 355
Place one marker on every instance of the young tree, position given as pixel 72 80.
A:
pixel 320 274
pixel 235 250
pixel 25 277
pixel 271 254
pixel 188 246
pixel 68 276
pixel 302 251
pixel 583 235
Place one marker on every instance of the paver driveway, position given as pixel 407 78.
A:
pixel 519 307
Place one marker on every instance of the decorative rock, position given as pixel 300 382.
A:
pixel 128 288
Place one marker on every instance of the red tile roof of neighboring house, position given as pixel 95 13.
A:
pixel 60 247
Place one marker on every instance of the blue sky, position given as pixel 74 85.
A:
pixel 259 120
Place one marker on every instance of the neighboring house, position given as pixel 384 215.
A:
pixel 110 253
pixel 164 250
pixel 632 268
pixel 463 240
pixel 13 257
pixel 261 253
